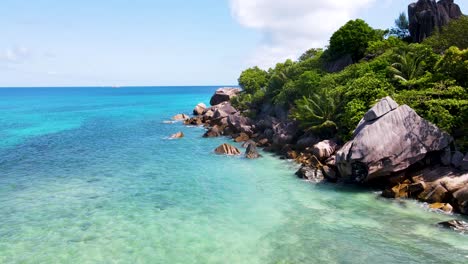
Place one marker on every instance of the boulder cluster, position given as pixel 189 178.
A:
pixel 392 147
pixel 427 16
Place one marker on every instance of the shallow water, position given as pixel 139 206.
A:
pixel 88 176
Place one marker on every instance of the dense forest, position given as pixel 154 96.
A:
pixel 329 100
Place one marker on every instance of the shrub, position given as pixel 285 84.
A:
pixel 353 39
pixel 253 79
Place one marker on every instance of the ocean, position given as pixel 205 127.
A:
pixel 89 175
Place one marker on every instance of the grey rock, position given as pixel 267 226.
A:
pixel 224 94
pixel 383 107
pixel 389 144
pixel 457 159
pixel 251 151
pixel 464 165
pixel 446 157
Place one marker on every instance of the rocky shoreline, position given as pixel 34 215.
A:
pixel 392 148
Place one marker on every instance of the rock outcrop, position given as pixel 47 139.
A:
pixel 426 16
pixel 223 95
pixel 226 149
pixel 391 143
pixel 410 157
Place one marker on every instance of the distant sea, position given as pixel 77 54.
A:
pixel 88 175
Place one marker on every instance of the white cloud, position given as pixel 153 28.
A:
pixel 290 27
pixel 15 54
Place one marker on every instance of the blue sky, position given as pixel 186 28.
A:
pixel 153 42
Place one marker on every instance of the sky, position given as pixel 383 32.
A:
pixel 166 42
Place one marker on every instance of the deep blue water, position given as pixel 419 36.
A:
pixel 88 175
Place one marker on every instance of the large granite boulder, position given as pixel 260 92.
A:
pixel 223 95
pixel 226 149
pixel 448 10
pixel 389 144
pixel 426 16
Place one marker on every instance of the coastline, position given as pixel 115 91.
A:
pixel 325 160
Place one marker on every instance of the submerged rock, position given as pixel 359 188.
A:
pixel 389 144
pixel 251 151
pixel 223 95
pixel 456 225
pixel 226 149
pixel 177 135
pixel 180 117
pixel 310 173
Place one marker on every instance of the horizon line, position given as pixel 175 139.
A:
pixel 116 87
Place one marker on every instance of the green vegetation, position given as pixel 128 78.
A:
pixel 454 34
pixel 431 77
pixel 352 39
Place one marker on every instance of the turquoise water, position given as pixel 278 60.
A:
pixel 88 176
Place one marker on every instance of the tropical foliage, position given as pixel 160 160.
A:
pixel 430 80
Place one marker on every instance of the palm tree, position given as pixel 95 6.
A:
pixel 317 112
pixel 407 67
